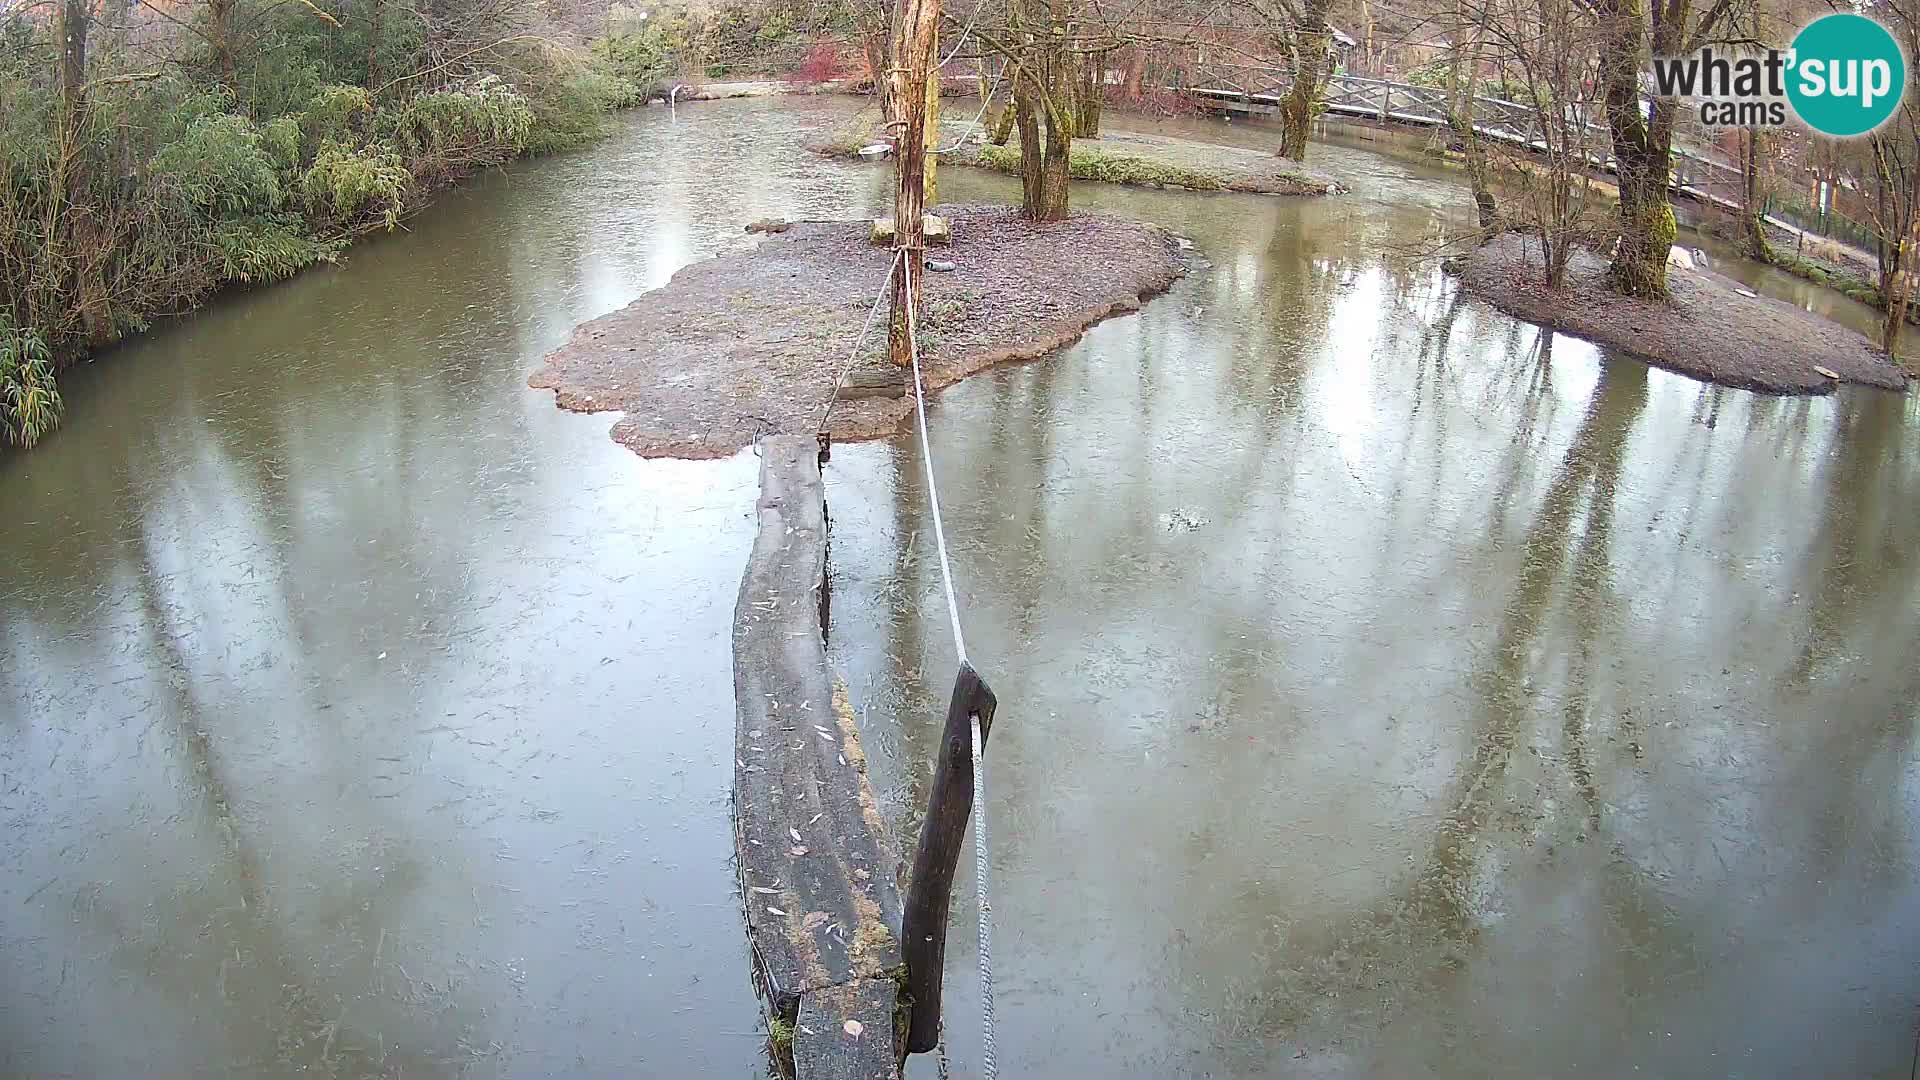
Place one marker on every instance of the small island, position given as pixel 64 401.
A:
pixel 1709 327
pixel 755 342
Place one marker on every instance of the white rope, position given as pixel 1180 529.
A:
pixel 985 103
pixel 964 34
pixel 987 1067
pixel 886 289
pixel 926 457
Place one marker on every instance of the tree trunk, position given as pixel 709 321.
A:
pixel 1312 42
pixel 875 49
pixel 932 166
pixel 1642 152
pixel 1055 170
pixel 1754 199
pixel 1090 96
pixel 84 238
pixel 1026 118
pixel 1000 128
pixel 375 31
pixel 913 66
pixel 220 35
pixel 1460 120
pixel 1899 285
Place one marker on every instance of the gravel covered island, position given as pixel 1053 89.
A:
pixel 751 343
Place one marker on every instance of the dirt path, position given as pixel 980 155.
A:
pixel 1710 330
pixel 750 343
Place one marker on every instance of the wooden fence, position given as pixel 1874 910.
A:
pixel 1699 172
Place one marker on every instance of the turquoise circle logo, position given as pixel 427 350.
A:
pixel 1848 75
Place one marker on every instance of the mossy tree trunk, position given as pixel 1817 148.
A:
pixel 1643 141
pixel 1642 152
pixel 1754 198
pixel 1000 128
pixel 1026 116
pixel 1055 168
pixel 1312 46
pixel 1089 96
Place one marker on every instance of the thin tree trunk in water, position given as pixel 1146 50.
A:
pixel 1312 64
pixel 875 48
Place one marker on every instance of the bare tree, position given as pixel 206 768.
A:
pixel 1548 53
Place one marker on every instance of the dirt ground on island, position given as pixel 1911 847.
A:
pixel 1709 329
pixel 752 343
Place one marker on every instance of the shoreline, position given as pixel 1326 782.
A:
pixel 1710 330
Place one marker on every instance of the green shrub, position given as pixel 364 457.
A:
pixel 281 140
pixel 336 114
pixel 478 127
pixel 348 185
pixel 30 403
pixel 256 250
pixel 573 110
pixel 646 55
pixel 220 166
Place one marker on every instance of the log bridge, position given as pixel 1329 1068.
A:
pixel 818 874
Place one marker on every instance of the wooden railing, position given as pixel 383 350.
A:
pixel 1698 172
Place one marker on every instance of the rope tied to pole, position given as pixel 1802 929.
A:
pixel 886 288
pixel 988 1067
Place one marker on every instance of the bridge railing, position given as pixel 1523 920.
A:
pixel 1697 171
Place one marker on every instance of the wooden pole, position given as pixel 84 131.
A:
pixel 930 894
pixel 917 36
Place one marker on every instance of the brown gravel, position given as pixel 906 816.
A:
pixel 748 344
pixel 1708 330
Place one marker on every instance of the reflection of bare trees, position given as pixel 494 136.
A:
pixel 1590 468
pixel 270 1003
pixel 1864 542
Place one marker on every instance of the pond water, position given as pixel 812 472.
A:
pixel 1388 688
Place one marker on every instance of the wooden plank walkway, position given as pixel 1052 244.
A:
pixel 817 872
